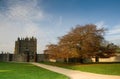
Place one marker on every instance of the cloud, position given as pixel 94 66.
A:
pixel 24 10
pixel 20 20
pixel 115 30
pixel 23 18
pixel 112 33
pixel 113 38
pixel 101 24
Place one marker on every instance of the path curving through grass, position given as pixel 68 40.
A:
pixel 12 70
pixel 73 74
pixel 99 68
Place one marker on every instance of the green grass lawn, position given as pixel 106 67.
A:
pixel 104 68
pixel 10 70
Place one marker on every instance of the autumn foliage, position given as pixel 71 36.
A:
pixel 81 41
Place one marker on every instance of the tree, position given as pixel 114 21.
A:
pixel 85 39
pixel 52 51
pixel 106 50
pixel 109 50
pixel 59 52
pixel 81 41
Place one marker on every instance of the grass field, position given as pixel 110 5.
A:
pixel 26 71
pixel 103 68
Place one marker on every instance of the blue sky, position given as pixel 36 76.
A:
pixel 49 19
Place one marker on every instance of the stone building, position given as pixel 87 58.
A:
pixel 24 45
pixel 25 49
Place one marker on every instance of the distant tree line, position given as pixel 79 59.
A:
pixel 82 42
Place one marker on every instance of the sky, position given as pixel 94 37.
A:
pixel 49 19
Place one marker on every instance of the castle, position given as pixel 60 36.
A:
pixel 25 51
pixel 26 44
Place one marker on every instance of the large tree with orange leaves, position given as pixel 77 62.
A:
pixel 81 41
pixel 86 40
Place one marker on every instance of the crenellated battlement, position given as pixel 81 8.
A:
pixel 27 39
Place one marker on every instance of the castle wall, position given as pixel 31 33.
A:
pixel 6 57
pixel 3 57
pixel 19 58
pixel 40 57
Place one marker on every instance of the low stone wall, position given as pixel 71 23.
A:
pixel 41 57
pixel 6 57
pixel 21 57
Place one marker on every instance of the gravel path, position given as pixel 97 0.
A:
pixel 73 74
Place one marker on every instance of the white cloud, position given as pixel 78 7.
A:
pixel 101 24
pixel 24 10
pixel 112 34
pixel 19 20
pixel 114 30
pixel 113 39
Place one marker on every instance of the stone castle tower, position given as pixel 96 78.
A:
pixel 23 45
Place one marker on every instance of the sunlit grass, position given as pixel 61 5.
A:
pixel 26 71
pixel 102 68
pixel 5 70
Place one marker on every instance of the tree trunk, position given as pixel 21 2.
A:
pixel 80 60
pixel 97 59
pixel 66 60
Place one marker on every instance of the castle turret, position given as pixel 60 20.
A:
pixel 22 43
